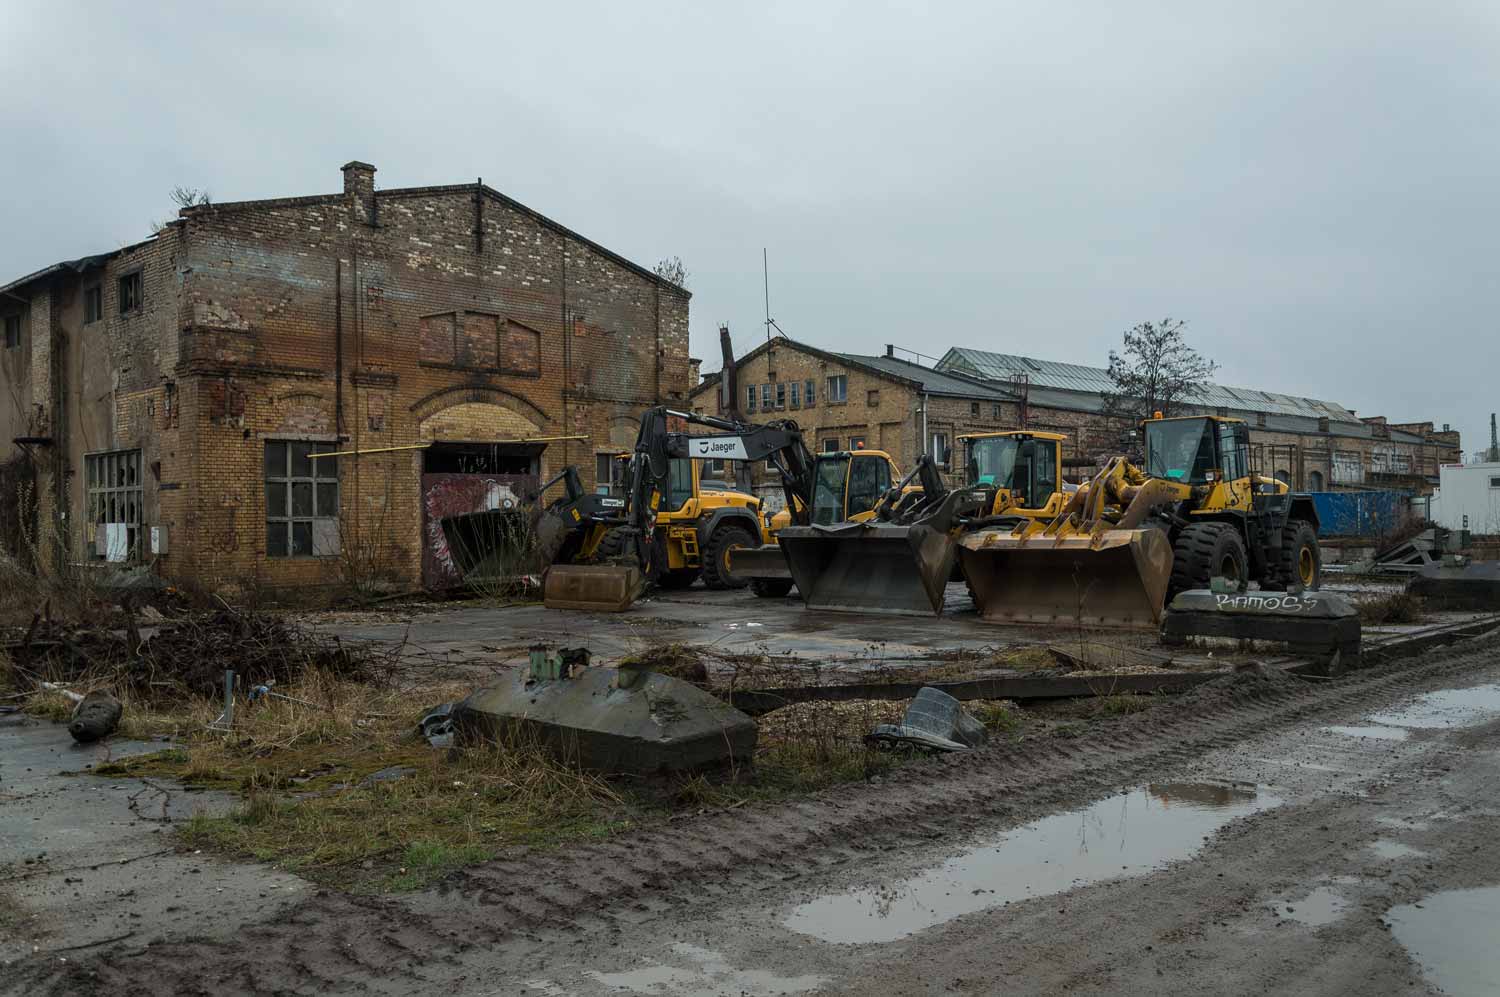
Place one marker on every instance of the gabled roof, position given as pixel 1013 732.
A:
pixel 928 380
pixel 463 188
pixel 911 375
pixel 1076 377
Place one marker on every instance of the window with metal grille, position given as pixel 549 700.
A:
pixel 93 304
pixel 12 331
pixel 838 388
pixel 113 486
pixel 809 393
pixel 130 292
pixel 302 499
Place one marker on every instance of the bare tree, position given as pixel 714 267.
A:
pixel 1157 371
pixel 673 270
pixel 184 197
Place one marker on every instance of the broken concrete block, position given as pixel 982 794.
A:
pixel 935 721
pixel 95 717
pixel 611 720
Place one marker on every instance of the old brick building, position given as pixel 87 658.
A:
pixel 1312 444
pixel 186 383
pixel 846 400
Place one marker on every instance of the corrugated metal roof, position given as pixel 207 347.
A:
pixel 933 382
pixel 1076 377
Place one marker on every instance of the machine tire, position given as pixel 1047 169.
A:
pixel 614 546
pixel 680 579
pixel 1298 538
pixel 771 588
pixel 716 556
pixel 1200 553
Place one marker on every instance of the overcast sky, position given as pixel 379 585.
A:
pixel 1311 186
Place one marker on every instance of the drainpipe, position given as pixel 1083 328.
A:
pixel 926 440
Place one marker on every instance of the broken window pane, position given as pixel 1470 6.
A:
pixel 275 460
pixel 302 539
pixel 301 466
pixel 302 498
pixel 328 498
pixel 276 540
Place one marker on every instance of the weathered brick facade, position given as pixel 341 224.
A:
pixel 360 321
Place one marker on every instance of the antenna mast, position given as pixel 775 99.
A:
pixel 765 276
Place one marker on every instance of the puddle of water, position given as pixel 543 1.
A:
pixel 1321 906
pixel 1123 835
pixel 1451 935
pixel 1446 708
pixel 1396 850
pixel 707 972
pixel 1376 731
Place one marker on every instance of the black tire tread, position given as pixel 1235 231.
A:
pixel 725 536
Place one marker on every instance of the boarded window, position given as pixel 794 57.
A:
pixel 479 342
pixel 130 292
pixel 521 353
pixel 114 504
pixel 93 304
pixel 435 337
pixel 1347 467
pixel 302 499
pixel 872 397
pixel 12 331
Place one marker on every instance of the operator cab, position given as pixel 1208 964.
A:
pixel 847 484
pixel 1197 450
pixel 1021 463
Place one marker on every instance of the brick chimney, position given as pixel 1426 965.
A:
pixel 359 179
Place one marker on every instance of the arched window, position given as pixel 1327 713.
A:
pixel 1315 481
pixel 1285 477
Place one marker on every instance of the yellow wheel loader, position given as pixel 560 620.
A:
pixel 848 485
pixel 1130 538
pixel 671 529
pixel 900 558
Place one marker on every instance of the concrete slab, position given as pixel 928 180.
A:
pixel 85 860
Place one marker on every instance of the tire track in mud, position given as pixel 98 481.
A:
pixel 334 942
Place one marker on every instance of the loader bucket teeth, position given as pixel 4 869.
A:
pixel 1118 578
pixel 870 567
pixel 598 588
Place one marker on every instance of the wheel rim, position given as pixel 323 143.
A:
pixel 1306 566
pixel 724 558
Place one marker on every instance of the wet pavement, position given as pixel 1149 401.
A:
pixel 84 860
pixel 1361 857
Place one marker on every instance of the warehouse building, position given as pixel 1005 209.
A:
pixel 455 347
pixel 848 401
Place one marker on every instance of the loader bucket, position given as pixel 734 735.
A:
pixel 1118 578
pixel 765 561
pixel 870 567
pixel 598 588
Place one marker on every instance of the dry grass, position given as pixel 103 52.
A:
pixel 1391 607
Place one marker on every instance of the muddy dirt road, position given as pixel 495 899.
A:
pixel 1263 834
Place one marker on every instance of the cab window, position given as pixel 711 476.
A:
pixel 679 484
pixel 992 461
pixel 828 491
pixel 869 479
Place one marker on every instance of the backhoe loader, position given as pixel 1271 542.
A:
pixel 670 528
pixel 1132 537
pixel 900 558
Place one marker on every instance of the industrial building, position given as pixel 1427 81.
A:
pixel 455 347
pixel 848 401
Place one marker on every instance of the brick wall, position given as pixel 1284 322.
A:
pixel 451 313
